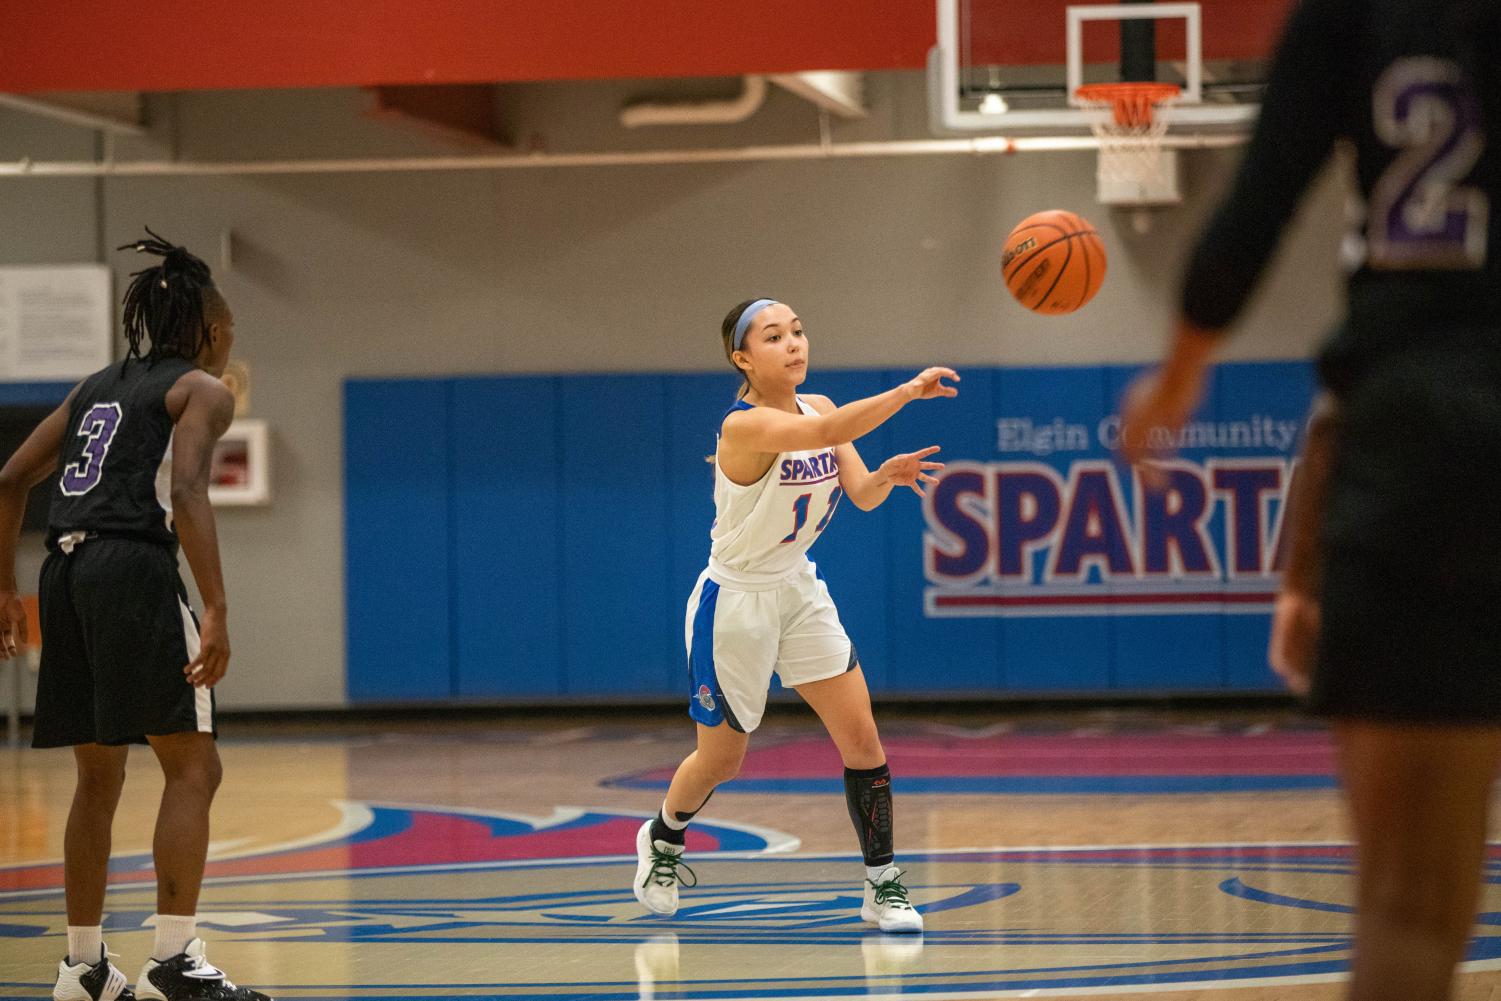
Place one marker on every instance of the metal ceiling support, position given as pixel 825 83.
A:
pixel 77 111
pixel 983 146
pixel 838 92
pixel 736 109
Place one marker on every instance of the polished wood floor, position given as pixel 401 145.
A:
pixel 481 858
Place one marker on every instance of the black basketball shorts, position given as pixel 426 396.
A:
pixel 117 632
pixel 1411 631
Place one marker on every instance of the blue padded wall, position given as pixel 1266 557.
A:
pixel 616 610
pixel 546 532
pixel 397 541
pixel 505 505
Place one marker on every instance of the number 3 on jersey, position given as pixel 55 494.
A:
pixel 98 427
pixel 800 514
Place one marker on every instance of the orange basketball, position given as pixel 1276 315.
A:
pixel 1053 262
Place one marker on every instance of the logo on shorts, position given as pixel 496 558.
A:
pixel 705 697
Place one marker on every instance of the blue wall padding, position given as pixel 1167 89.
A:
pixel 505 504
pixel 397 539
pixel 537 537
pixel 13 394
pixel 616 610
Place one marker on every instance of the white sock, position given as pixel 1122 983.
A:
pixel 173 933
pixel 670 819
pixel 85 943
pixel 873 873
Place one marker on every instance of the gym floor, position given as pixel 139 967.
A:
pixel 1131 853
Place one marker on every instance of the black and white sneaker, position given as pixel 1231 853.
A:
pixel 188 976
pixel 99 982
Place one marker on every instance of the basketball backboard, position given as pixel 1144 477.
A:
pixel 1012 66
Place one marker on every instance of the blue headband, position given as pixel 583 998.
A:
pixel 743 324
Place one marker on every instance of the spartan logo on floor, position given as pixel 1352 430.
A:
pixel 997 920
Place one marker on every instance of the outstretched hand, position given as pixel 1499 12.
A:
pixel 928 384
pixel 1158 403
pixel 910 469
pixel 1156 407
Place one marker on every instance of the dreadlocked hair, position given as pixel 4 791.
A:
pixel 165 304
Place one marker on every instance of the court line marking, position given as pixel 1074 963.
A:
pixel 354 817
pixel 777 842
pixel 359 815
pixel 1055 992
pixel 786 853
pixel 740 856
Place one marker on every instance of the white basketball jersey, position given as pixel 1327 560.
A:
pixel 762 531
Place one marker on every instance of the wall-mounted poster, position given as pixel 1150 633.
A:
pixel 55 322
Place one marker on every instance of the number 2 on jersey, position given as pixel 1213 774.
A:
pixel 1421 215
pixel 98 427
pixel 800 514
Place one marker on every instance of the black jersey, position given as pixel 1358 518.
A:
pixel 1415 86
pixel 114 468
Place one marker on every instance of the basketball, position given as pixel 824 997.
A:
pixel 1053 262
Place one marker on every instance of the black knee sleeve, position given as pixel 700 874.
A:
pixel 868 793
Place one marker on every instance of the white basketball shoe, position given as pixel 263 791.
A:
pixel 659 870
pixel 886 905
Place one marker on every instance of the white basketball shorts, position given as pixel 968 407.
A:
pixel 737 638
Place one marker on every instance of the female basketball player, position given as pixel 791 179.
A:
pixel 1409 641
pixel 124 659
pixel 782 464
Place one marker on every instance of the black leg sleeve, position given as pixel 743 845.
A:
pixel 868 793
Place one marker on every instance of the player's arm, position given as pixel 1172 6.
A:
pixel 865 489
pixel 763 429
pixel 206 412
pixel 1304 109
pixel 1295 619
pixel 33 462
pixel 1308 498
pixel 1301 116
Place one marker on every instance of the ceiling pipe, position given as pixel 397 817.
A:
pixel 737 109
pixel 986 146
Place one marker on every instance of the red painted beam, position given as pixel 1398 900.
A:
pixel 209 44
pixel 1031 32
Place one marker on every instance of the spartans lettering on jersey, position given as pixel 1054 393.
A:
pixel 1015 538
pixel 810 470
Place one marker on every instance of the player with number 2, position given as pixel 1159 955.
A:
pixel 1391 628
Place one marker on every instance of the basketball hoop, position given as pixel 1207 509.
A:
pixel 1132 169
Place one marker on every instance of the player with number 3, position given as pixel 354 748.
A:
pixel 125 660
pixel 782 464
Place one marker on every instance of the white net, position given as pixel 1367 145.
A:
pixel 1133 167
